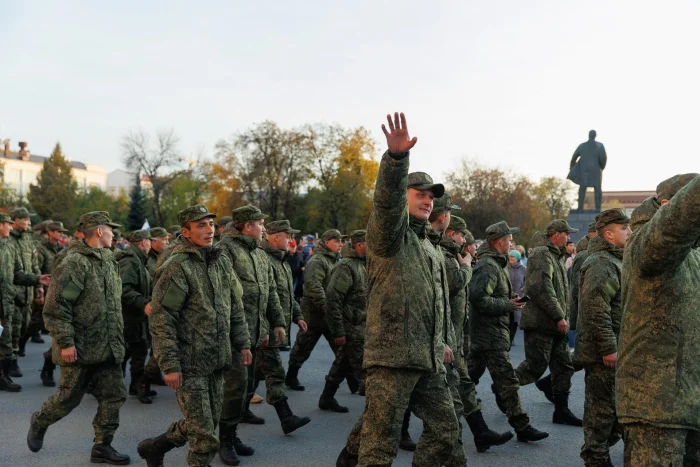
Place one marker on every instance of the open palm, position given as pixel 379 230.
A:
pixel 397 139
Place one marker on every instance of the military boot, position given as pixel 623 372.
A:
pixel 35 436
pixel 406 443
pixel 143 389
pixel 241 449
pixel 562 414
pixel 250 418
pixel 290 422
pixel 227 453
pixel 6 383
pixel 291 379
pixel 353 383
pixel 36 338
pixel 47 372
pixel 14 370
pixel 105 454
pixel 499 402
pixel 531 434
pixel 484 437
pixel 153 450
pixel 545 385
pixel 345 459
pixel 21 352
pixel 327 400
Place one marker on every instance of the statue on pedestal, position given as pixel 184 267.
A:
pixel 586 169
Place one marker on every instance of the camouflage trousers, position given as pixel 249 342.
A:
pixel 467 388
pixel 6 351
pixel 20 321
pixel 239 383
pixel 200 399
pixel 269 368
pixel 348 360
pixel 389 391
pixel 458 458
pixel 108 389
pixel 306 341
pixel 600 426
pixel 505 381
pixel 542 350
pixel 651 446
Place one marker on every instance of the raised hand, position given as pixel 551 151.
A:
pixel 397 139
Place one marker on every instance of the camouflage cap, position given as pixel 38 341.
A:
pixel 138 235
pixel 223 221
pixel 671 186
pixel 279 227
pixel 558 225
pixel 173 229
pixel 116 235
pixel 424 182
pixel 331 235
pixel 95 218
pixel 20 213
pixel 193 213
pixel 611 216
pixel 457 224
pixel 444 203
pixel 159 232
pixel 5 218
pixel 358 236
pixel 591 227
pixel 500 229
pixel 55 226
pixel 469 238
pixel 246 214
pixel 41 226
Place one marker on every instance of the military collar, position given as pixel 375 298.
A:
pixel 274 252
pixel 418 226
pixel 323 250
pixel 600 244
pixel 435 236
pixel 249 242
pixel 205 254
pixel 18 233
pixel 486 250
pixel 450 246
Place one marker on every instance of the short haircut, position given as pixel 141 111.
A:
pixel 90 231
pixel 435 216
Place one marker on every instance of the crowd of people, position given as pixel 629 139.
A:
pixel 414 307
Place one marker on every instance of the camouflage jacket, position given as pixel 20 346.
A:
pixel 600 313
pixel 83 306
pixel 458 277
pixel 405 295
pixel 490 293
pixel 435 238
pixel 151 262
pixel 46 252
pixel 658 368
pixel 282 273
pixel 61 255
pixel 260 302
pixel 168 250
pixel 24 245
pixel 548 287
pixel 197 315
pixel 346 298
pixel 11 274
pixel 317 274
pixel 581 255
pixel 136 291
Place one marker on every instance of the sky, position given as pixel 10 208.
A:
pixel 511 84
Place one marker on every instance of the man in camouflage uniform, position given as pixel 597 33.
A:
pixel 600 316
pixel 83 314
pixel 545 319
pixel 11 274
pixel 77 239
pixel 317 274
pixel 492 301
pixel 239 243
pixel 658 366
pixel 136 307
pixel 405 348
pixel 220 226
pixel 160 238
pixel 269 363
pixel 197 322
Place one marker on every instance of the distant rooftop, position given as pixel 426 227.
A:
pixel 38 159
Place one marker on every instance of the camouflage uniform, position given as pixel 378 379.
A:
pixel 152 371
pixel 197 320
pixel 581 255
pixel 658 374
pixel 83 310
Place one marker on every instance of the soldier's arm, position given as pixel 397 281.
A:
pixel 481 290
pixel 275 316
pixel 574 287
pixel 22 278
pixel 169 297
pixel 313 283
pixel 240 338
pixel 338 287
pixel 538 282
pixel 35 262
pixel 599 285
pixel 457 276
pixel 129 273
pixel 67 285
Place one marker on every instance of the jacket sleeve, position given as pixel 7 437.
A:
pixel 457 276
pixel 389 218
pixel 67 284
pixel 169 296
pixel 296 310
pixel 240 338
pixel 338 287
pixel 574 288
pixel 599 285
pixel 481 290
pixel 274 310
pixel 313 283
pixel 131 293
pixel 538 282
pixel 24 278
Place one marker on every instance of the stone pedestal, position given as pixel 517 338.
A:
pixel 580 220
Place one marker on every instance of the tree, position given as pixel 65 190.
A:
pixel 54 195
pixel 185 190
pixel 95 199
pixel 556 195
pixel 8 196
pixel 137 206
pixel 224 192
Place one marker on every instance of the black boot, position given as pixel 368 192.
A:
pixel 143 389
pixel 562 414
pixel 291 380
pixel 407 444
pixel 152 450
pixel 290 422
pixel 47 372
pixel 227 453
pixel 545 385
pixel 361 390
pixel 35 436
pixel 36 338
pixel 499 402
pixel 327 400
pixel 21 352
pixel 241 449
pixel 484 438
pixel 6 383
pixel 531 434
pixel 345 459
pixel 250 418
pixel 353 383
pixel 13 370
pixel 106 454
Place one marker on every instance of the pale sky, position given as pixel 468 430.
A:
pixel 511 83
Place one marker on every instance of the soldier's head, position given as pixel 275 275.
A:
pixel 559 232
pixel 5 225
pixel 421 194
pixel 669 187
pixel 359 242
pixel 55 231
pixel 160 238
pixel 78 234
pixel 141 239
pixel 592 134
pixel 591 230
pixel 280 234
pixel 457 230
pixel 333 240
pixel 197 225
pixel 442 212
pixel 20 217
pixel 500 235
pixel 97 228
pixel 613 226
pixel 221 224
pixel 249 221
pixel 292 247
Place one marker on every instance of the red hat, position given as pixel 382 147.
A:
pixel 292 244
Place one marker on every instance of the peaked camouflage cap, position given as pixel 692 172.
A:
pixel 116 235
pixel 500 229
pixel 138 235
pixel 671 186
pixel 358 236
pixel 444 203
pixel 611 216
pixel 591 226
pixel 457 224
pixel 193 213
pixel 282 226
pixel 55 226
pixel 95 218
pixel 5 218
pixel 173 229
pixel 41 226
pixel 223 221
pixel 159 232
pixel 424 182
pixel 331 234
pixel 558 225
pixel 20 213
pixel 469 238
pixel 246 214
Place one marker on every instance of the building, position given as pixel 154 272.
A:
pixel 121 180
pixel 21 169
pixel 627 200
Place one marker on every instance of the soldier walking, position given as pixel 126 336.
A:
pixel 160 238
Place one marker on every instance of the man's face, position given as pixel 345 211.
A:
pixel 255 229
pixel 360 248
pixel 22 224
pixel 199 233
pixel 569 248
pixel 560 238
pixel 335 245
pixel 457 237
pixel 617 234
pixel 279 241
pixel 144 245
pixel 55 236
pixel 220 229
pixel 104 236
pixel 502 245
pixel 159 243
pixel 292 249
pixel 79 235
pixel 420 203
pixel 5 229
pixel 471 249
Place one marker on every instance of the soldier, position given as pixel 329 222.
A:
pixel 83 314
pixel 136 308
pixel 78 237
pixel 600 316
pixel 159 241
pixel 545 319
pixel 492 301
pixel 313 304
pixel 197 321
pixel 11 273
pixel 405 349
pixel 658 366
pixel 239 243
pixel 269 363
pixel 220 226
pixel 116 238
